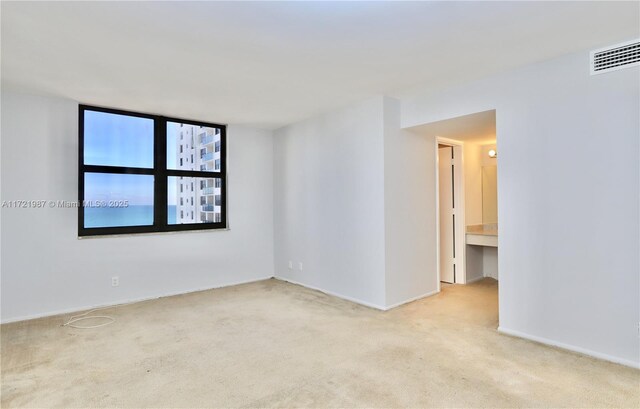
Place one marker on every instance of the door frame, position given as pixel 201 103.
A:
pixel 459 231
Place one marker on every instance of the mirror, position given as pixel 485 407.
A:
pixel 489 194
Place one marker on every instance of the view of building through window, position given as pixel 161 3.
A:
pixel 193 199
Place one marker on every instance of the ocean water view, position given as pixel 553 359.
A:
pixel 141 215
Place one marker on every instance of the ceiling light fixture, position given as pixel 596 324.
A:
pixel 493 153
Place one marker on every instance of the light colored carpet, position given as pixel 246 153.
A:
pixel 274 344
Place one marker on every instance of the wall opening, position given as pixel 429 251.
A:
pixel 466 219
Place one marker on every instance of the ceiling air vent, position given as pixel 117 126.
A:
pixel 615 57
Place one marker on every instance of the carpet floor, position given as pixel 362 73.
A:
pixel 275 344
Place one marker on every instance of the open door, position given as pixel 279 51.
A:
pixel 447 213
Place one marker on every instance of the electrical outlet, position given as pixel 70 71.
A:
pixel 115 281
pixel 300 266
pixel 290 265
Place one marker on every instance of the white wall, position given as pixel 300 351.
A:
pixel 568 209
pixel 474 262
pixel 329 202
pixel 46 269
pixel 410 223
pixel 490 262
pixel 344 207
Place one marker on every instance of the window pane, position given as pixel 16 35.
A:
pixel 193 147
pixel 194 200
pixel 117 140
pixel 113 200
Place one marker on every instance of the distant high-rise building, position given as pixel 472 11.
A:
pixel 198 199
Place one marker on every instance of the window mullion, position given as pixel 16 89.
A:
pixel 115 169
pixel 160 172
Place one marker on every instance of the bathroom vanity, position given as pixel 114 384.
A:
pixel 482 251
pixel 482 235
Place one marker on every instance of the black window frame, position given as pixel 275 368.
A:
pixel 159 171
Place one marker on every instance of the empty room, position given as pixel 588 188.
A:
pixel 318 204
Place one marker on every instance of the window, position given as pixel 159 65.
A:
pixel 132 178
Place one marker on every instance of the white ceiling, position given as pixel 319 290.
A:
pixel 477 128
pixel 271 63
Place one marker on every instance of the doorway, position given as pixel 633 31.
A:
pixel 450 186
pixel 466 197
pixel 463 156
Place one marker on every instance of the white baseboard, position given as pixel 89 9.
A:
pixel 491 274
pixel 412 299
pixel 124 302
pixel 344 297
pixel 473 280
pixel 356 300
pixel 572 348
